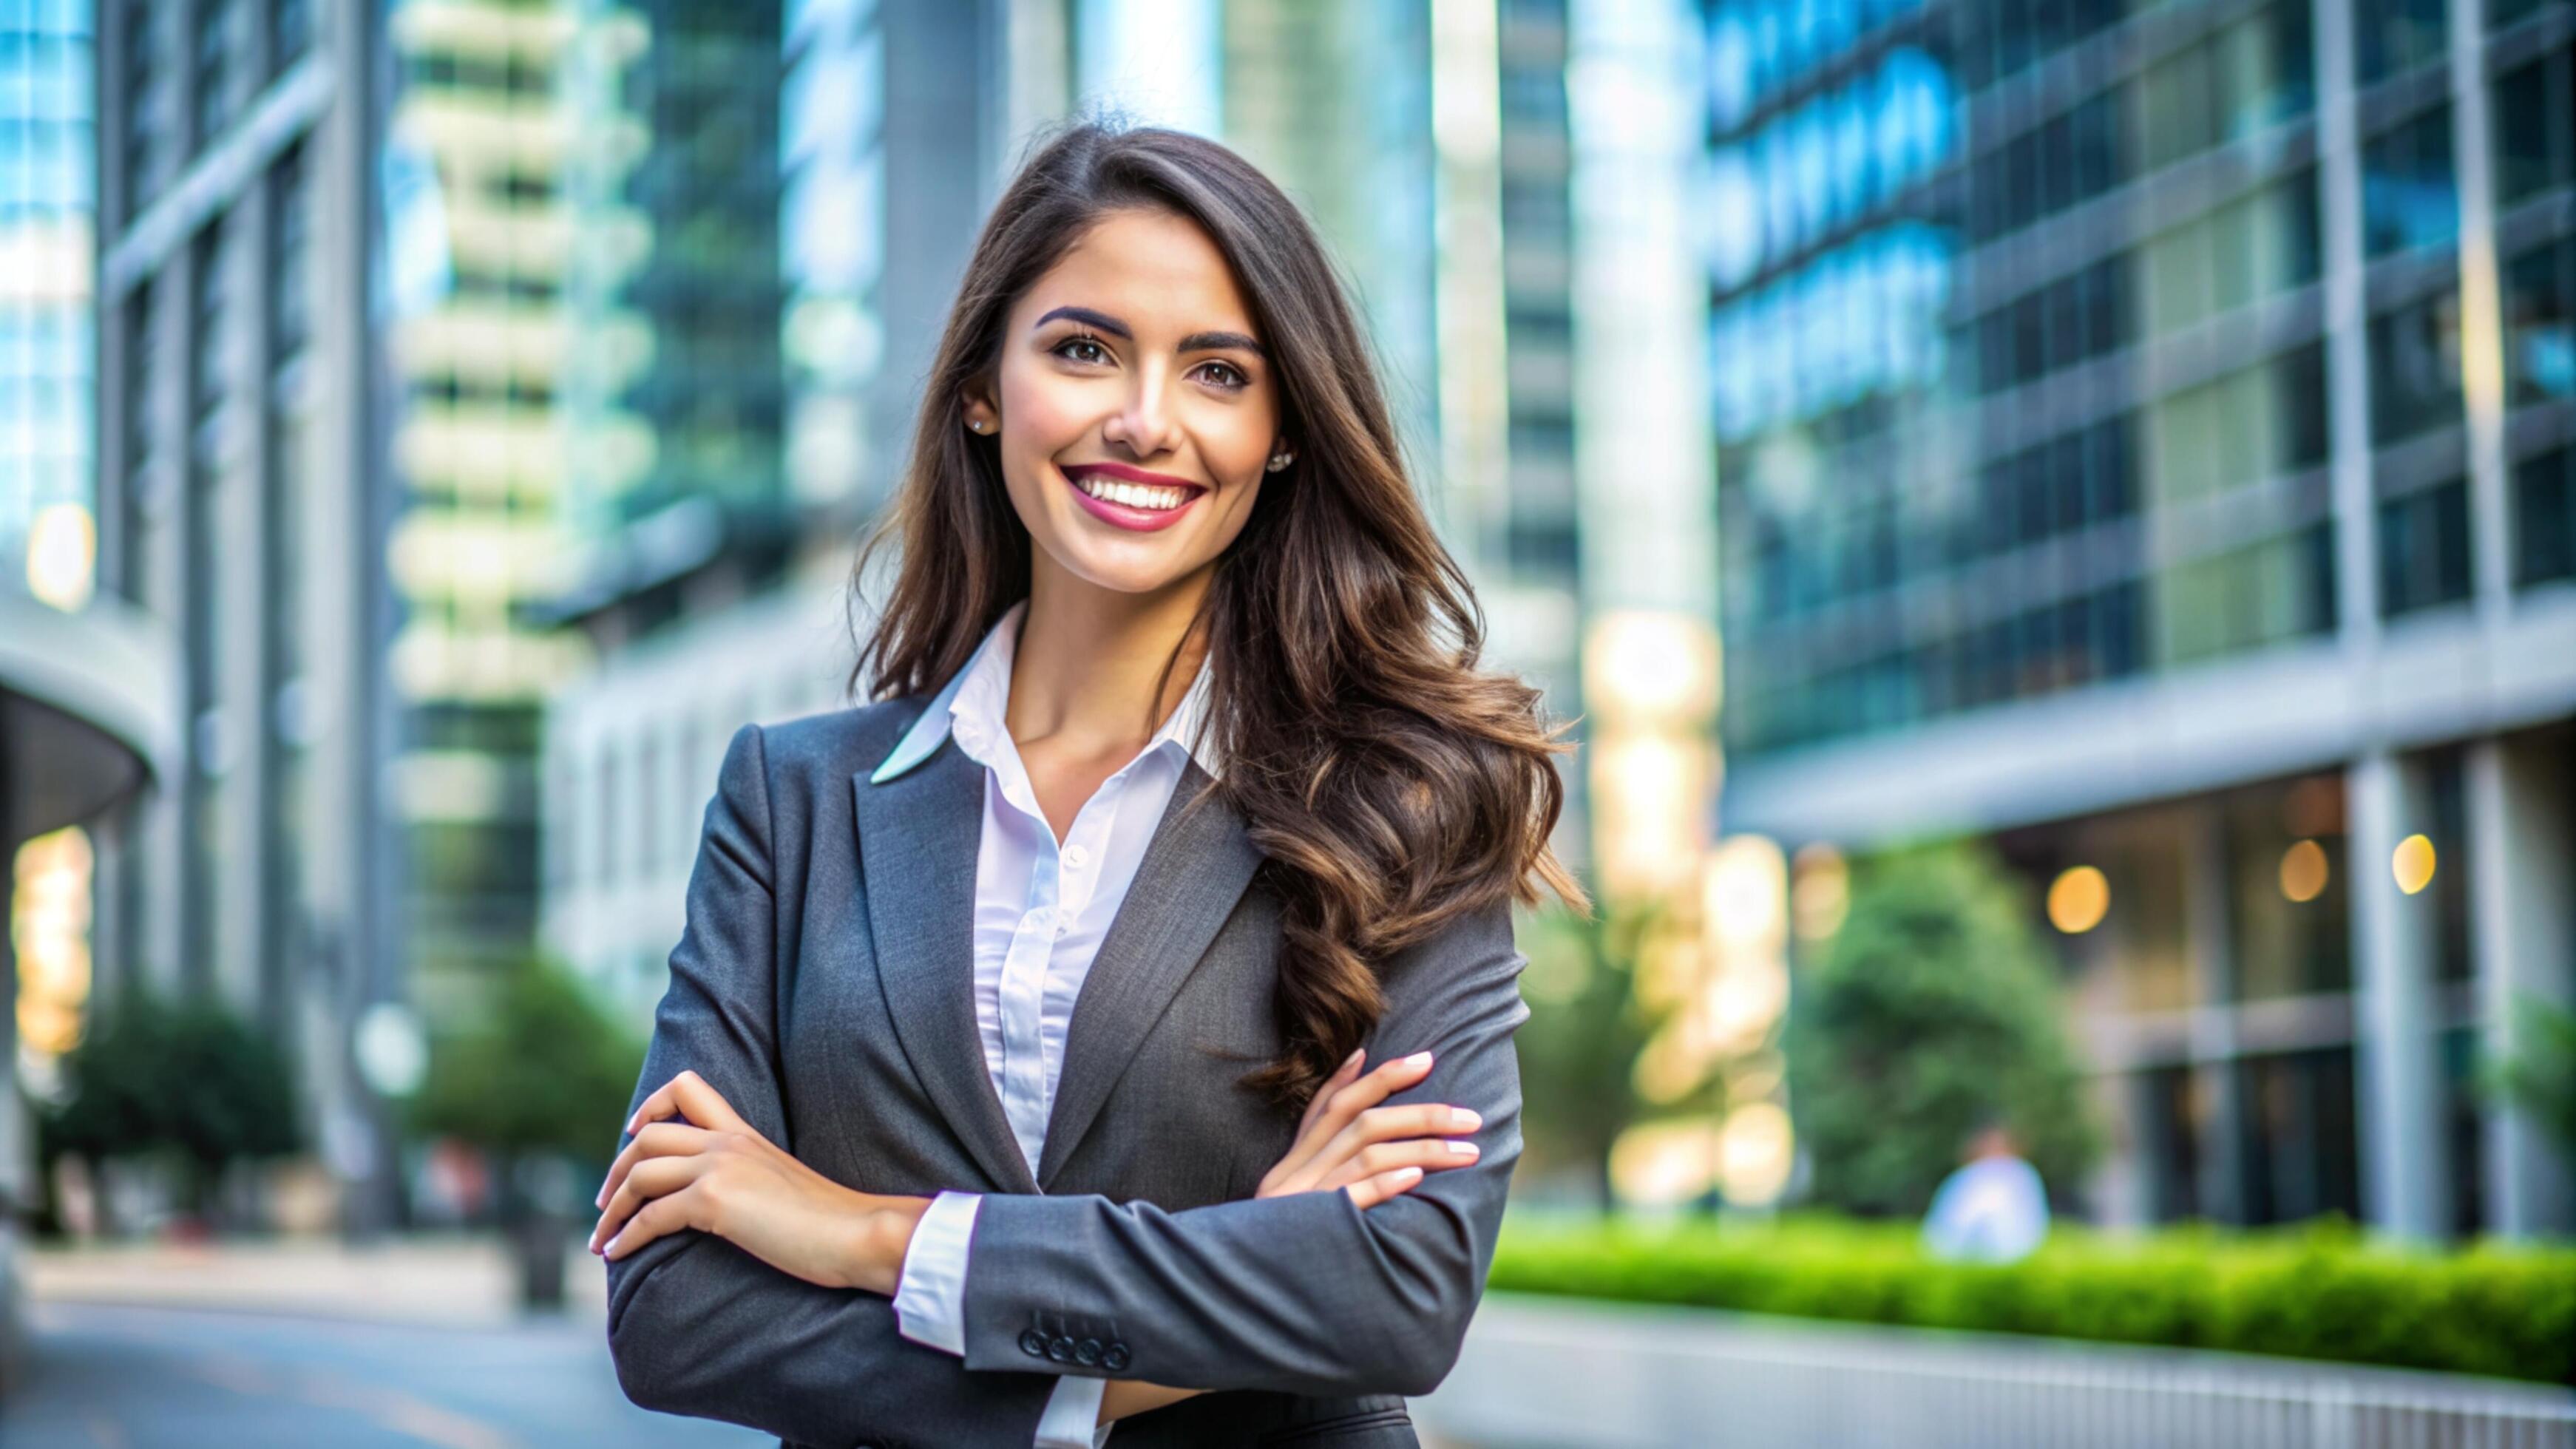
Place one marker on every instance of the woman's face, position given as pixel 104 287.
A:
pixel 1136 412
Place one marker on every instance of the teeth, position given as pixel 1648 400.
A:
pixel 1134 495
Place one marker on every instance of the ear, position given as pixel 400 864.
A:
pixel 980 414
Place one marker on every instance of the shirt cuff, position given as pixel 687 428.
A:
pixel 930 1296
pixel 1072 1417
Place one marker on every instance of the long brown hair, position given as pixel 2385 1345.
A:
pixel 1391 784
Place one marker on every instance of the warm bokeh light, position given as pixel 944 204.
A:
pixel 1755 1151
pixel 1819 891
pixel 2412 864
pixel 62 556
pixel 1646 668
pixel 1744 890
pixel 49 920
pixel 1664 1164
pixel 2078 900
pixel 2303 871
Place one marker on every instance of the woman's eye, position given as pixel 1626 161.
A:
pixel 1232 376
pixel 1064 349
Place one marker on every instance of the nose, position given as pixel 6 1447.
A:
pixel 1145 424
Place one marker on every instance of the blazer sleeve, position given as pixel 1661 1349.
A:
pixel 1303 1294
pixel 697 1325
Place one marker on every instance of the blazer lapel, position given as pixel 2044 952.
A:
pixel 1195 869
pixel 918 837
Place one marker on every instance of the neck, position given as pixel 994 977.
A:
pixel 1088 660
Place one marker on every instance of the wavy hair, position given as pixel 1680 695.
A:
pixel 1392 785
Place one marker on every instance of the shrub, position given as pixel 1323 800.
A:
pixel 2321 1291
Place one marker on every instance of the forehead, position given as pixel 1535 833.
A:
pixel 1156 271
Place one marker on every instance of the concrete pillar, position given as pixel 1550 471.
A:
pixel 2404 1183
pixel 2522 839
pixel 2209 920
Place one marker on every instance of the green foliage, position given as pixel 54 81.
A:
pixel 546 1072
pixel 2540 1078
pixel 1934 1008
pixel 189 1080
pixel 1580 1044
pixel 2320 1291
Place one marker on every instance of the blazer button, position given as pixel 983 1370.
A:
pixel 1114 1357
pixel 1087 1352
pixel 1033 1343
pixel 1060 1348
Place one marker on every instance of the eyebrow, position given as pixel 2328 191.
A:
pixel 1195 342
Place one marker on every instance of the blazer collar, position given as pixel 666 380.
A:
pixel 920 823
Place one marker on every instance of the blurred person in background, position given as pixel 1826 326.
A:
pixel 937 1140
pixel 1992 1208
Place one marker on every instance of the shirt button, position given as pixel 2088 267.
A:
pixel 1075 857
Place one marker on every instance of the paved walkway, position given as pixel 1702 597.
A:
pixel 441 1281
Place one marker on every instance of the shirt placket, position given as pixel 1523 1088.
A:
pixel 1024 976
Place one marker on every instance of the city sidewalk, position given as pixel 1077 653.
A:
pixel 443 1280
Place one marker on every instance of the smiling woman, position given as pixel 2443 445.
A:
pixel 1107 1031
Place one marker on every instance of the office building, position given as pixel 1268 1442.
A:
pixel 2144 442
pixel 233 457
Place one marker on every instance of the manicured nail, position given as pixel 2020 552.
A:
pixel 1418 1059
pixel 1407 1176
pixel 1462 1149
pixel 1353 1059
pixel 1464 1120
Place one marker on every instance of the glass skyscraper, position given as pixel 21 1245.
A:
pixel 2143 439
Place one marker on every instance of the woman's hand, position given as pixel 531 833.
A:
pixel 712 1171
pixel 1348 1141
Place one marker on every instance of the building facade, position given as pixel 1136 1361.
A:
pixel 234 450
pixel 2144 441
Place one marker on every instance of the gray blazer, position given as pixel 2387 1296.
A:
pixel 823 986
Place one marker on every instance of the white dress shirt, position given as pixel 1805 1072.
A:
pixel 1041 908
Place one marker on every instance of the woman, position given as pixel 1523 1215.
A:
pixel 1013 1083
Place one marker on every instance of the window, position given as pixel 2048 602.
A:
pixel 2424 549
pixel 2415 368
pixel 2408 198
pixel 2540 323
pixel 2534 112
pixel 2544 518
pixel 2391 36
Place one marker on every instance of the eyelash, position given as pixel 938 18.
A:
pixel 1241 382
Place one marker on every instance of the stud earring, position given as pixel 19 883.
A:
pixel 1280 460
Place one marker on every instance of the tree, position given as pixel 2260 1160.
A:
pixel 1579 1048
pixel 546 1073
pixel 1934 1009
pixel 191 1083
pixel 540 1084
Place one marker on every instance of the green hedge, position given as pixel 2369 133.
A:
pixel 2320 1292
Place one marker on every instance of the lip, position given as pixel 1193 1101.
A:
pixel 1135 520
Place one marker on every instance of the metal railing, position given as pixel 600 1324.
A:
pixel 1540 1371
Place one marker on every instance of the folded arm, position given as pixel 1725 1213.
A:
pixel 1305 1293
pixel 697 1325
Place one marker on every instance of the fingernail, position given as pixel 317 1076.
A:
pixel 1464 1120
pixel 1353 1059
pixel 1418 1059
pixel 1462 1149
pixel 1405 1177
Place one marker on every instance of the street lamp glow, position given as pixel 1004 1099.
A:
pixel 2303 872
pixel 2078 900
pixel 2412 864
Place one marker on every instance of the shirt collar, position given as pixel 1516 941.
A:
pixel 978 692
